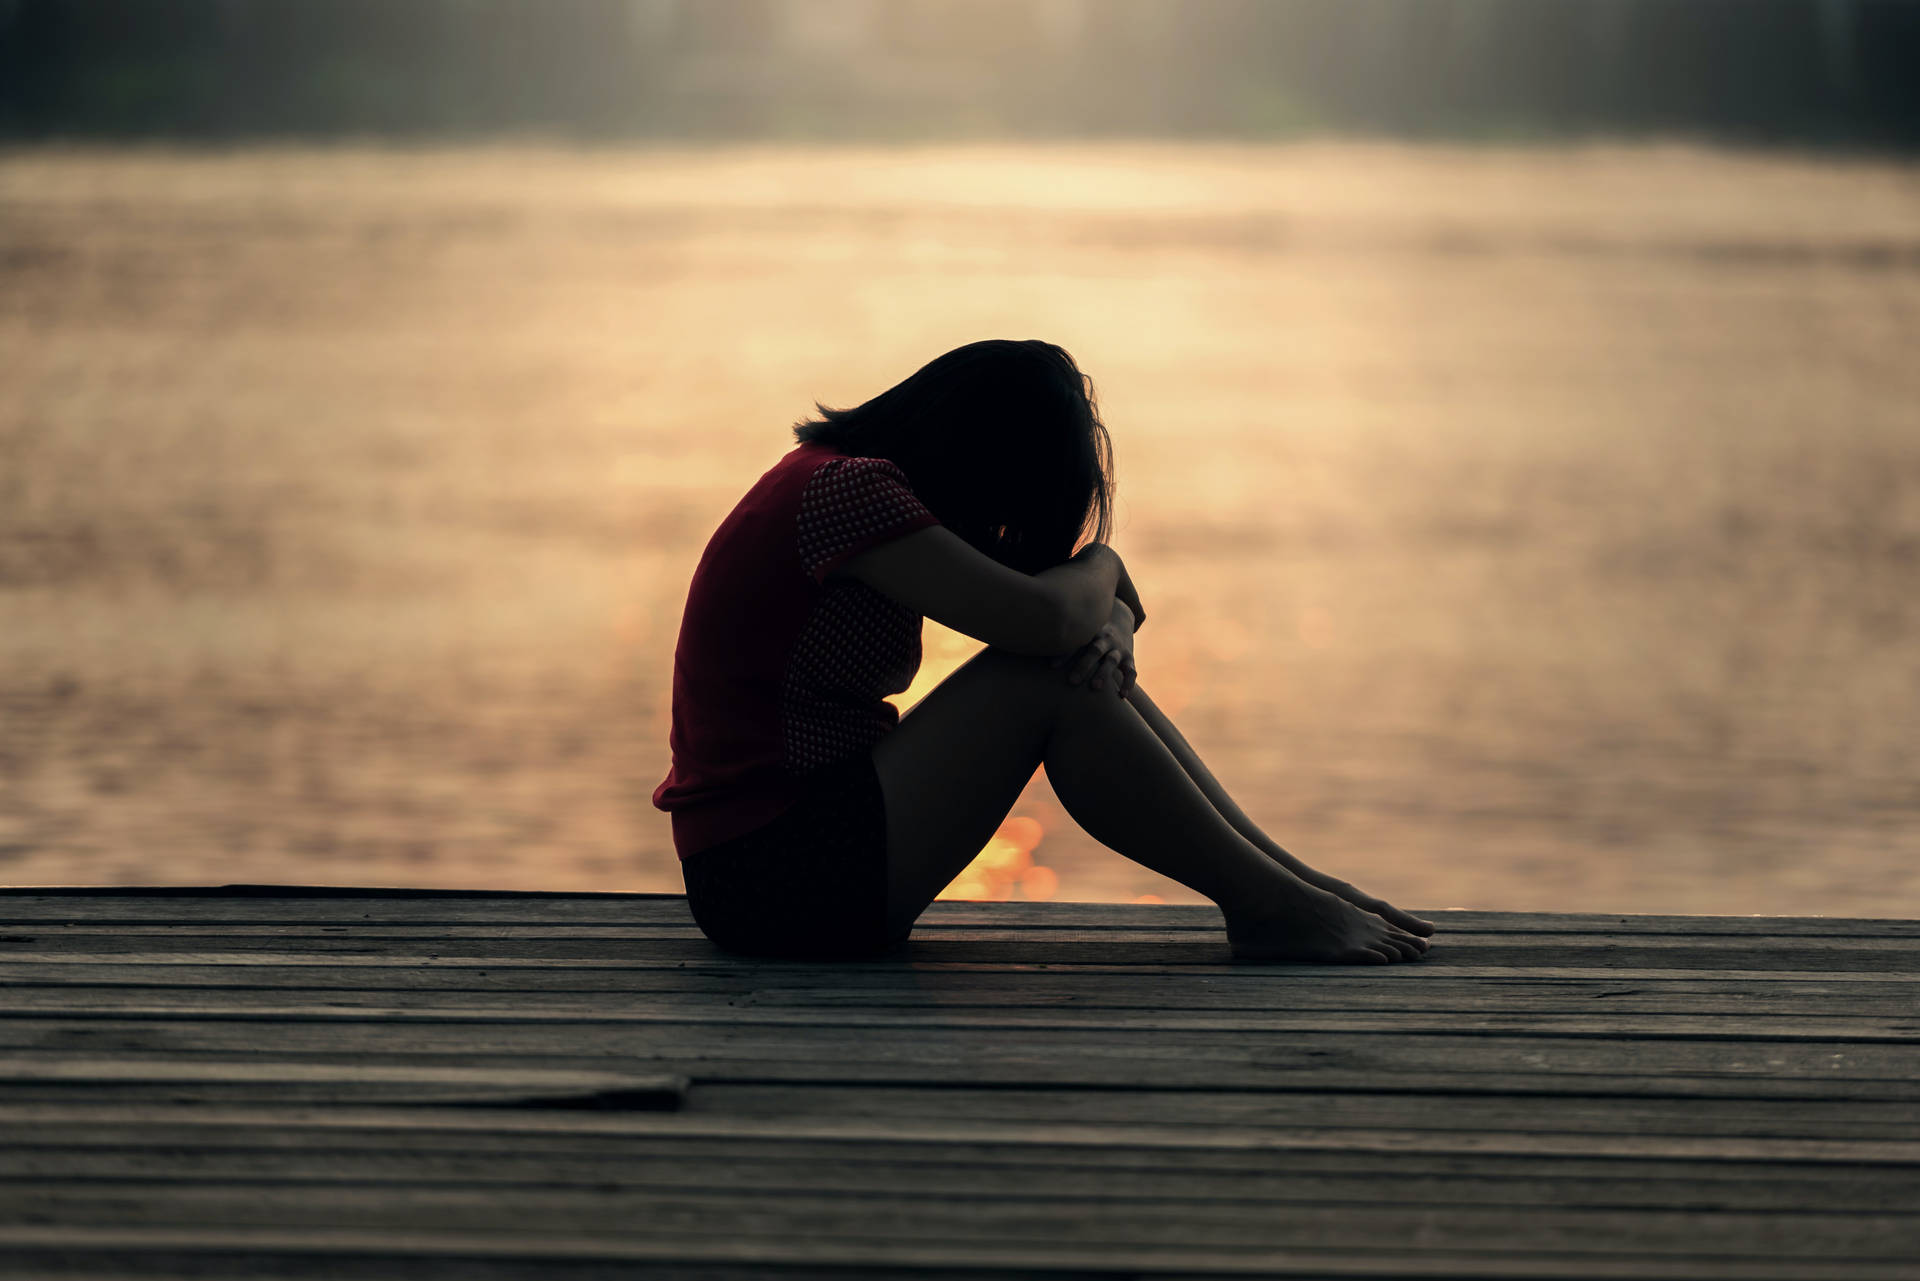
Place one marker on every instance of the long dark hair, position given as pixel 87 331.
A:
pixel 1002 440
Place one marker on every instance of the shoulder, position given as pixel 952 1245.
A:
pixel 850 504
pixel 840 481
pixel 825 463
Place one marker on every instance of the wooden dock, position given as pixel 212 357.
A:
pixel 327 1084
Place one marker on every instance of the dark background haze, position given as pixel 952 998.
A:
pixel 1824 72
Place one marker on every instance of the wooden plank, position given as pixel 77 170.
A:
pixel 178 1081
pixel 310 936
pixel 1690 1181
pixel 186 905
pixel 1546 1095
pixel 1531 1114
pixel 959 1136
pixel 1003 1071
pixel 563 939
pixel 1034 1220
pixel 1191 1058
pixel 292 1081
pixel 869 987
pixel 997 1074
pixel 699 958
pixel 1027 1215
pixel 432 1256
pixel 1653 1012
pixel 1852 1030
pixel 935 1171
pixel 1656 1005
pixel 1450 921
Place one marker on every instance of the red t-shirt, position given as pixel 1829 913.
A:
pixel 780 671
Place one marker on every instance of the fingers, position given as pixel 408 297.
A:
pixel 1104 664
pixel 1088 658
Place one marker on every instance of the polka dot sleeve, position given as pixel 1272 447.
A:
pixel 851 504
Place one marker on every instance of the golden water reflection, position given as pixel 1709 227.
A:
pixel 1530 528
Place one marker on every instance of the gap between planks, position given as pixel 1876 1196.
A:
pixel 170 905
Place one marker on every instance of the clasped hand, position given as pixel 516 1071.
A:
pixel 1107 660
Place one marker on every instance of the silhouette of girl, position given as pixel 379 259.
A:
pixel 811 820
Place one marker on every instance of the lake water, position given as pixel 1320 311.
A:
pixel 1522 529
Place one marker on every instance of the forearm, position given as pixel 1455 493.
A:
pixel 1083 590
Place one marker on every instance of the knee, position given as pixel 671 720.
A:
pixel 1022 667
pixel 1038 676
pixel 1006 659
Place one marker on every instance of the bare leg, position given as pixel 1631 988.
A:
pixel 1203 778
pixel 955 765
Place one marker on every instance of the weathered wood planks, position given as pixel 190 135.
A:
pixel 326 1083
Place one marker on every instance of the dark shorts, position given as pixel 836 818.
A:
pixel 811 884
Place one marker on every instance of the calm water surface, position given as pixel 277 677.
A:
pixel 1530 530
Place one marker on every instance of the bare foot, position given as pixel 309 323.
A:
pixel 1378 906
pixel 1320 926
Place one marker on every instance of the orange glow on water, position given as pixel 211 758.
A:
pixel 1021 832
pixel 1005 862
pixel 1316 627
pixel 1605 565
pixel 1040 882
pixel 1148 898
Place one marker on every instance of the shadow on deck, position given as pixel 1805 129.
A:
pixel 262 1082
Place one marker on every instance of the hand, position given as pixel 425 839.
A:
pixel 1106 661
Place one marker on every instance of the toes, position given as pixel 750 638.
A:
pixel 1408 922
pixel 1392 915
pixel 1365 956
pixel 1400 946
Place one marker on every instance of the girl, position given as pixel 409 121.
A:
pixel 811 821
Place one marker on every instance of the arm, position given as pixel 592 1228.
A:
pixel 936 573
pixel 1125 594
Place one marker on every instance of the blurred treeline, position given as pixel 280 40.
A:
pixel 1831 72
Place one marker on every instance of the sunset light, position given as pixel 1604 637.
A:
pixel 1005 868
pixel 537 535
